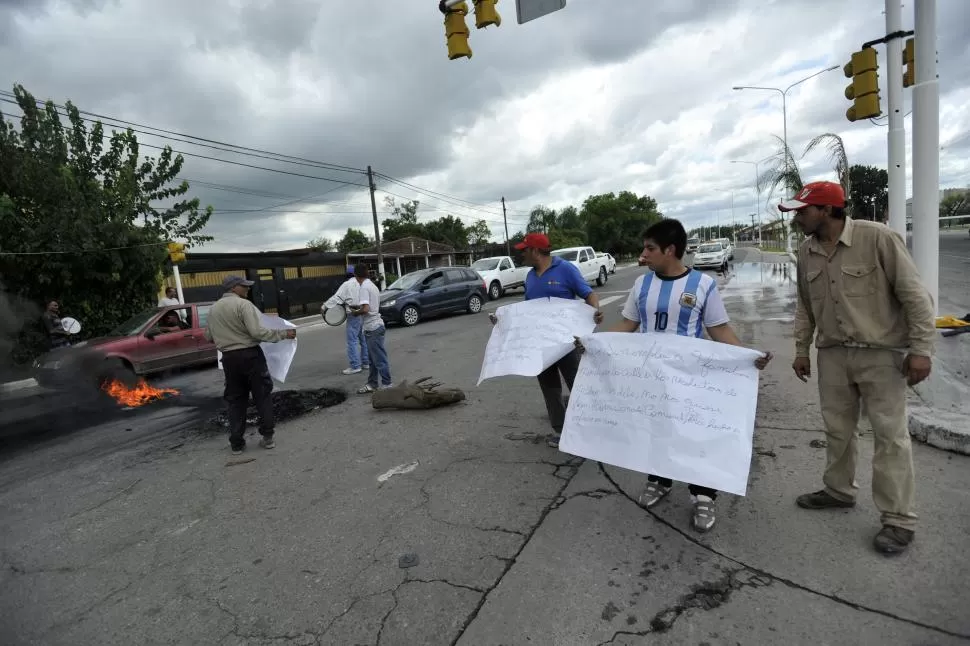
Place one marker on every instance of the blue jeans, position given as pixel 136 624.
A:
pixel 378 358
pixel 357 353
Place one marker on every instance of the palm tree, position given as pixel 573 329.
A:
pixel 786 175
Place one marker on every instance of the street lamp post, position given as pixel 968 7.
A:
pixel 784 116
pixel 757 191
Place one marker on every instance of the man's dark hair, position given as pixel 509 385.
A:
pixel 668 233
pixel 838 213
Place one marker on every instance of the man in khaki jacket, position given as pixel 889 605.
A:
pixel 235 328
pixel 859 290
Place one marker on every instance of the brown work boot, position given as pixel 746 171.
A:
pixel 821 500
pixel 892 539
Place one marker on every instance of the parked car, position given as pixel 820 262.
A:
pixel 430 292
pixel 728 247
pixel 609 260
pixel 711 255
pixel 591 267
pixel 500 274
pixel 137 347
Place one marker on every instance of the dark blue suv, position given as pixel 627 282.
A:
pixel 429 292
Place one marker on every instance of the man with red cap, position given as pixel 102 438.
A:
pixel 860 296
pixel 556 278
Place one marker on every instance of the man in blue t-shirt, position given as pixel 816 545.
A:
pixel 553 277
pixel 672 299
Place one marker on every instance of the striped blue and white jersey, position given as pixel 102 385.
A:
pixel 683 305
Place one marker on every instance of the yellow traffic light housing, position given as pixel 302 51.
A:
pixel 176 252
pixel 864 89
pixel 486 15
pixel 456 31
pixel 909 60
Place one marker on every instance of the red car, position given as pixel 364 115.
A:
pixel 152 341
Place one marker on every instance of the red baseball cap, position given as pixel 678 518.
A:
pixel 534 241
pixel 816 194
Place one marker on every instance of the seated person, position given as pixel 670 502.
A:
pixel 170 322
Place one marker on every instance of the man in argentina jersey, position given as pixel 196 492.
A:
pixel 672 299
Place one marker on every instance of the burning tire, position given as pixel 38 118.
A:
pixel 115 369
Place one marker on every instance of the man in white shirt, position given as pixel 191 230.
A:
pixel 346 297
pixel 172 298
pixel 369 311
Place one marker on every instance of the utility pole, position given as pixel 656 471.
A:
pixel 896 138
pixel 926 153
pixel 377 228
pixel 508 247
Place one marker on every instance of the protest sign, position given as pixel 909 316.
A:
pixel 280 355
pixel 673 406
pixel 532 335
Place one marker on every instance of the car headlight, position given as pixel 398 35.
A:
pixel 388 303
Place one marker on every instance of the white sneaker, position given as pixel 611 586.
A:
pixel 653 493
pixel 351 371
pixel 386 386
pixel 366 366
pixel 704 517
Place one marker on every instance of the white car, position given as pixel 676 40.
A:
pixel 711 255
pixel 500 274
pixel 609 259
pixel 591 267
pixel 726 243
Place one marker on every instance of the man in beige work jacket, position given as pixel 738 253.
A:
pixel 235 328
pixel 859 290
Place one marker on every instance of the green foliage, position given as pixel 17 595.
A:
pixel 85 217
pixel 448 230
pixel 955 204
pixel 353 240
pixel 784 174
pixel 870 192
pixel 615 223
pixel 479 233
pixel 321 243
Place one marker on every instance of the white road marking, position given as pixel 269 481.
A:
pixel 398 470
pixel 610 299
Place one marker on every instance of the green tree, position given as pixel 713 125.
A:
pixel 955 204
pixel 870 191
pixel 84 222
pixel 447 230
pixel 615 222
pixel 479 233
pixel 570 219
pixel 561 239
pixel 403 221
pixel 320 243
pixel 541 220
pixel 353 240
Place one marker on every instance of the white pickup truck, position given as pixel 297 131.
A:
pixel 500 274
pixel 585 259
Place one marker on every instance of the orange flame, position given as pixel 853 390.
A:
pixel 140 395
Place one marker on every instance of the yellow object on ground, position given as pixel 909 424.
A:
pixel 950 322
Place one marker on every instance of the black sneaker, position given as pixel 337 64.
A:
pixel 553 440
pixel 238 450
pixel 822 500
pixel 892 539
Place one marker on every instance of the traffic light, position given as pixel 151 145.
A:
pixel 176 252
pixel 456 31
pixel 909 60
pixel 485 14
pixel 864 89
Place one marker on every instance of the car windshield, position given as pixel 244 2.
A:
pixel 692 241
pixel 134 325
pixel 408 281
pixel 710 248
pixel 567 255
pixel 486 264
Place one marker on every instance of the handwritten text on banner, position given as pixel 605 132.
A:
pixel 668 405
pixel 532 335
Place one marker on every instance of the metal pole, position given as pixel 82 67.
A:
pixel 508 247
pixel 377 228
pixel 926 152
pixel 896 137
pixel 178 282
pixel 757 201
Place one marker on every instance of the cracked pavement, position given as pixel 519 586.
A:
pixel 108 541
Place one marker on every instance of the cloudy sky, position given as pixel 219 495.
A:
pixel 606 95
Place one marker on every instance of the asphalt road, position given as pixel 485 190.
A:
pixel 142 530
pixel 955 272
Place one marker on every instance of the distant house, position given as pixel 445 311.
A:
pixel 409 254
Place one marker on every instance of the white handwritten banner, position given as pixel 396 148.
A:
pixel 279 355
pixel 532 335
pixel 667 405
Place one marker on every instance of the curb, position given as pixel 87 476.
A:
pixel 12 386
pixel 936 429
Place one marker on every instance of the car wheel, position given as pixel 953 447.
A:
pixel 601 278
pixel 495 291
pixel 410 315
pixel 475 304
pixel 115 369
